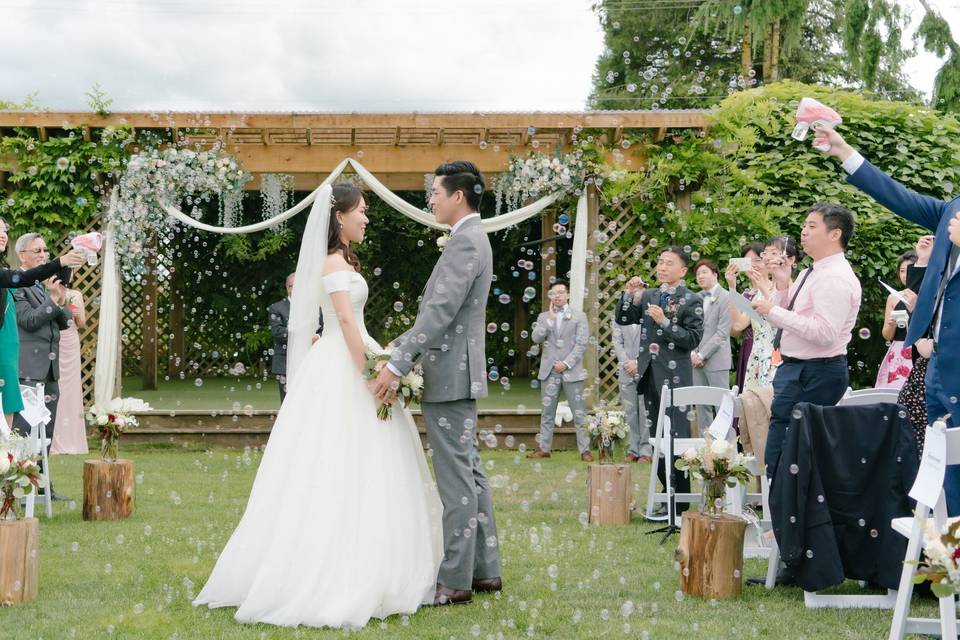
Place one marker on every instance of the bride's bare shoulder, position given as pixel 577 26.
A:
pixel 336 262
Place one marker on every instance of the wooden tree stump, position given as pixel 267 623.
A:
pixel 107 490
pixel 711 555
pixel 19 541
pixel 609 488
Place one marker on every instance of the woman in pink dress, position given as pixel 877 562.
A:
pixel 70 431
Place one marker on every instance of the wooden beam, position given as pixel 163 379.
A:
pixel 540 120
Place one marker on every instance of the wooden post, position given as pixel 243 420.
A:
pixel 610 493
pixel 591 306
pixel 150 299
pixel 746 53
pixel 107 490
pixel 711 555
pixel 19 541
pixel 177 351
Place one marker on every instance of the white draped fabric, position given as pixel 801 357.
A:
pixel 108 330
pixel 108 334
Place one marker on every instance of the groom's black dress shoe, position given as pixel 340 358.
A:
pixel 446 595
pixel 487 585
pixel 785 578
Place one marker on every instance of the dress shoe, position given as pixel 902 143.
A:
pixel 538 453
pixel 446 595
pixel 487 585
pixel 630 457
pixel 586 456
pixel 646 459
pixel 785 578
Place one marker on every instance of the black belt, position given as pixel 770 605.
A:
pixel 813 360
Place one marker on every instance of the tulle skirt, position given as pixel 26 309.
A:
pixel 344 522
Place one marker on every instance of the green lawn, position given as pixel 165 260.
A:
pixel 227 394
pixel 563 579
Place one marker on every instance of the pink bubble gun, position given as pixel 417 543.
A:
pixel 89 244
pixel 812 114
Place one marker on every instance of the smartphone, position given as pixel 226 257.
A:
pixel 744 264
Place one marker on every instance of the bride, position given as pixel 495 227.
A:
pixel 343 523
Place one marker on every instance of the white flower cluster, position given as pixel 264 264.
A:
pixel 942 551
pixel 716 459
pixel 118 413
pixel 538 175
pixel 170 176
pixel 607 426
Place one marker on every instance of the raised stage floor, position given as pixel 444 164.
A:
pixel 241 411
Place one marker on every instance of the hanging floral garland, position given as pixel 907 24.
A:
pixel 537 174
pixel 171 176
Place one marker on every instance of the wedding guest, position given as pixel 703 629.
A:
pixel 912 395
pixel 71 432
pixel 898 361
pixel 626 345
pixel 937 310
pixel 711 359
pixel 814 319
pixel 564 334
pixel 9 336
pixel 279 318
pixel 671 326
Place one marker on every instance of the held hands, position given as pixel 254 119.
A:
pixel 385 386
pixel 955 230
pixel 631 367
pixel 838 146
pixel 559 366
pixel 696 360
pixel 72 258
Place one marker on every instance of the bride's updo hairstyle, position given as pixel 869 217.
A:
pixel 346 197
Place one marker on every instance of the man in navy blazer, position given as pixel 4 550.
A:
pixel 936 312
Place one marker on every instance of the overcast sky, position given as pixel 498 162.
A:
pixel 343 55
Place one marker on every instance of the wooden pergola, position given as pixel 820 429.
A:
pixel 399 148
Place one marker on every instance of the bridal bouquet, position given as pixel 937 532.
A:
pixel 607 426
pixel 411 385
pixel 941 566
pixel 19 473
pixel 719 465
pixel 112 420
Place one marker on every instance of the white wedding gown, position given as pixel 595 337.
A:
pixel 343 523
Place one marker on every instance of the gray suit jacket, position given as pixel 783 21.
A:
pixel 40 321
pixel 715 344
pixel 279 318
pixel 568 346
pixel 626 344
pixel 449 334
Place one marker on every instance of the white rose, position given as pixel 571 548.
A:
pixel 690 455
pixel 102 419
pixel 721 449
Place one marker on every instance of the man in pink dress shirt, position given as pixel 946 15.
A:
pixel 815 319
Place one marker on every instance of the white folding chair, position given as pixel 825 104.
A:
pixel 37 443
pixel 913 529
pixel 812 599
pixel 859 392
pixel 682 397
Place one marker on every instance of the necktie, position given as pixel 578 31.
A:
pixel 945 280
pixel 793 300
pixel 664 297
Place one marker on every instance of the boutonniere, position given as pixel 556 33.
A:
pixel 671 306
pixel 567 316
pixel 714 299
pixel 442 241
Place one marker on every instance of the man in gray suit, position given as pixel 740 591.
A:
pixel 449 337
pixel 626 344
pixel 279 318
pixel 711 360
pixel 40 317
pixel 564 334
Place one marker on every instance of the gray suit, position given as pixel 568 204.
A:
pixel 40 320
pixel 714 349
pixel 626 343
pixel 279 318
pixel 449 336
pixel 568 345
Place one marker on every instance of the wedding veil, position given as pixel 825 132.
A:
pixel 307 286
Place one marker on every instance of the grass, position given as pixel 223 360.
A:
pixel 227 394
pixel 135 578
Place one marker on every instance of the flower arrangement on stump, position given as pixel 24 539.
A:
pixel 718 465
pixel 607 426
pixel 112 420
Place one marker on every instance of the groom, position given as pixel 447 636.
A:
pixel 449 336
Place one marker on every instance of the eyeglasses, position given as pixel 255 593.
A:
pixel 37 251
